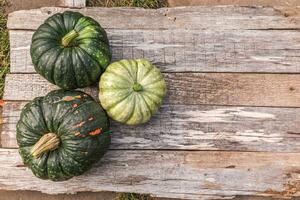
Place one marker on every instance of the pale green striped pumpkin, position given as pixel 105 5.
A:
pixel 131 91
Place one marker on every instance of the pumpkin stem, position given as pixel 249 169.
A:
pixel 137 87
pixel 67 39
pixel 47 142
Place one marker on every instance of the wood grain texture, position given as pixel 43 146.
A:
pixel 192 18
pixel 162 157
pixel 186 175
pixel 195 128
pixel 73 3
pixel 190 50
pixel 190 88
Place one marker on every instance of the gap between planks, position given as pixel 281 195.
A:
pixel 186 127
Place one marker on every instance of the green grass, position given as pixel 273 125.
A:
pixel 4 46
pixel 131 196
pixel 128 3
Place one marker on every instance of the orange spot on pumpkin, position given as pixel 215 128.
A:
pixel 68 98
pixel 79 124
pixel 71 98
pixel 2 102
pixel 96 132
pixel 75 105
pixel 77 133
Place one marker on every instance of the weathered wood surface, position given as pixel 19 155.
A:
pixel 185 174
pixel 73 3
pixel 185 50
pixel 191 18
pixel 196 128
pixel 246 149
pixel 190 88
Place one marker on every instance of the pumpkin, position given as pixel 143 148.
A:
pixel 70 50
pixel 62 134
pixel 131 91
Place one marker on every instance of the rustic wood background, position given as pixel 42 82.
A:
pixel 229 125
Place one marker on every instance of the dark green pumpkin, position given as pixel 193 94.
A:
pixel 62 134
pixel 70 50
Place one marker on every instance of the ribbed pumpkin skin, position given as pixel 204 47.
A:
pixel 74 117
pixel 77 65
pixel 122 100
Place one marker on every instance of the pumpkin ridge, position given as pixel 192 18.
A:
pixel 85 67
pixel 28 126
pixel 60 22
pixel 95 23
pixel 104 58
pixel 150 98
pixel 125 67
pixel 50 154
pixel 61 156
pixel 156 81
pixel 61 160
pixel 124 78
pixel 73 110
pixel 78 23
pixel 54 64
pixel 56 25
pixel 133 109
pixel 25 135
pixel 70 155
pixel 138 95
pixel 53 29
pixel 84 73
pixel 124 98
pixel 40 99
pixel 152 92
pixel 71 14
pixel 52 68
pixel 101 68
pixel 92 38
pixel 35 44
pixel 72 68
pixel 140 78
pixel 148 107
pixel 45 38
pixel 62 117
pixel 146 74
pixel 44 54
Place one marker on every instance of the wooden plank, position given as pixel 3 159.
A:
pixel 190 88
pixel 195 128
pixel 72 3
pixel 179 174
pixel 190 50
pixel 197 18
